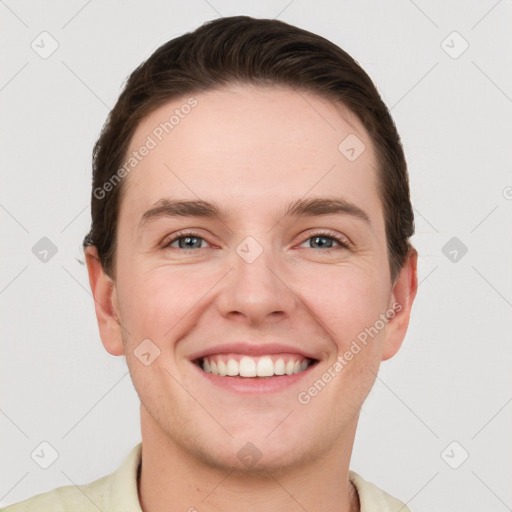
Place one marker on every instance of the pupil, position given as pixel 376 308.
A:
pixel 185 242
pixel 322 244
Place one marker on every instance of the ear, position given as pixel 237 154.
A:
pixel 402 297
pixel 105 303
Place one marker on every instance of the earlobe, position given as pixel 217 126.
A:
pixel 105 303
pixel 402 298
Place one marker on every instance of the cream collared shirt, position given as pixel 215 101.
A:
pixel 117 492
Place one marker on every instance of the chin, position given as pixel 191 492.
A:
pixel 253 459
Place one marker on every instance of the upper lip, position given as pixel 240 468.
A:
pixel 252 349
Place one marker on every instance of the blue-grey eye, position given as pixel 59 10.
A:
pixel 187 242
pixel 322 241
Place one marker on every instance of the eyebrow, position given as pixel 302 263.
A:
pixel 302 207
pixel 325 206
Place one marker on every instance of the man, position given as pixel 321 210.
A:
pixel 249 255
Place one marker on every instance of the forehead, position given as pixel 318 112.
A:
pixel 251 148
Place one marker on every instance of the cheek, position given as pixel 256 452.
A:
pixel 348 304
pixel 345 300
pixel 155 301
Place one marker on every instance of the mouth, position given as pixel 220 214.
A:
pixel 250 367
pixel 254 375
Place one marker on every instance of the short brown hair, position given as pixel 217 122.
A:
pixel 242 49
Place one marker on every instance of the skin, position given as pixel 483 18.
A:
pixel 252 151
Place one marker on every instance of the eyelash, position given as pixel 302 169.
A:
pixel 342 241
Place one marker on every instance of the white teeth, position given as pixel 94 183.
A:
pixel 279 367
pixel 247 367
pixel 290 366
pixel 233 368
pixel 253 367
pixel 265 367
pixel 221 366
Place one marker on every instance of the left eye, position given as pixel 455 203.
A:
pixel 323 240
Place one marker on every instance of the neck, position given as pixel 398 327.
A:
pixel 171 479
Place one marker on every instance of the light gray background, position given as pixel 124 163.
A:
pixel 450 381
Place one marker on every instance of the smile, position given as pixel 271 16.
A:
pixel 239 365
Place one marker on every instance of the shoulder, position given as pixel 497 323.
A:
pixel 374 499
pixel 64 499
pixel 115 491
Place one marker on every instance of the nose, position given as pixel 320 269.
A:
pixel 257 292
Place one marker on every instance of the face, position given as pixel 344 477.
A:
pixel 252 286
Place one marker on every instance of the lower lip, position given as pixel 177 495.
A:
pixel 255 385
